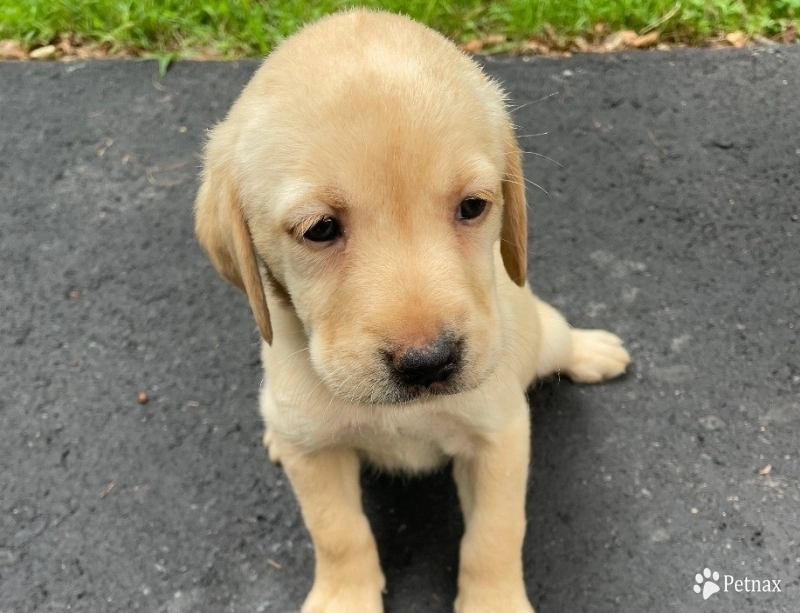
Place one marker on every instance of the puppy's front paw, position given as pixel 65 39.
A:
pixel 596 355
pixel 492 601
pixel 329 597
pixel 271 445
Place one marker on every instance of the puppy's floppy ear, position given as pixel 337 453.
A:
pixel 222 229
pixel 514 235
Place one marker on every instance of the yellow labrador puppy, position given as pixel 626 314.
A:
pixel 366 193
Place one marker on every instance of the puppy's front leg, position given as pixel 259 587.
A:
pixel 348 576
pixel 491 487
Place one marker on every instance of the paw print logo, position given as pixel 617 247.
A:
pixel 706 583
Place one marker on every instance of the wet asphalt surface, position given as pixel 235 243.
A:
pixel 670 217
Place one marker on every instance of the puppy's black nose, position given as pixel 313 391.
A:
pixel 434 363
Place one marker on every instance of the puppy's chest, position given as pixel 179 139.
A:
pixel 395 438
pixel 413 442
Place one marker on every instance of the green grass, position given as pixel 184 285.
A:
pixel 233 28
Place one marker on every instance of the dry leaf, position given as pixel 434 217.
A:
pixel 47 52
pixel 553 39
pixel 472 46
pixel 789 33
pixel 658 145
pixel 551 33
pixel 66 47
pixel 12 50
pixel 612 42
pixel 645 41
pixel 104 146
pixel 494 39
pixel 766 470
pixel 619 40
pixel 581 44
pixel 736 39
pixel 599 30
pixel 108 489
pixel 763 40
pixel 536 47
pixel 88 52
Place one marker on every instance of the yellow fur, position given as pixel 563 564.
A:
pixel 384 125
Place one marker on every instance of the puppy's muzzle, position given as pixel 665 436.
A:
pixel 429 367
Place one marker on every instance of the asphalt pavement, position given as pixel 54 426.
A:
pixel 668 213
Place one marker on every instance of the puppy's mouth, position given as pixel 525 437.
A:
pixel 410 374
pixel 400 394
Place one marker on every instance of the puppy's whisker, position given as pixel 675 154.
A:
pixel 514 109
pixel 527 181
pixel 533 135
pixel 291 355
pixel 518 348
pixel 537 185
pixel 516 344
pixel 340 386
pixel 516 355
pixel 549 159
pixel 508 242
pixel 496 377
pixel 521 355
pixel 320 382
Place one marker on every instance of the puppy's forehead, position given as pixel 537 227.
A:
pixel 400 132
pixel 391 111
pixel 392 122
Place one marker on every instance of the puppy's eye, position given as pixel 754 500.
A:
pixel 470 208
pixel 326 229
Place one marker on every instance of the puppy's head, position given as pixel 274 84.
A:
pixel 370 169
